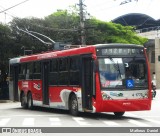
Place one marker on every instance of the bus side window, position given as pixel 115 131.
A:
pixel 63 71
pixel 37 70
pixel 22 71
pixel 53 76
pixel 74 71
pixel 29 71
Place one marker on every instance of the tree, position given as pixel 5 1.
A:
pixel 6 44
pixel 108 32
pixel 61 26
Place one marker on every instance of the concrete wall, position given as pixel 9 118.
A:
pixel 154 67
pixel 150 34
pixel 149 55
pixel 157 63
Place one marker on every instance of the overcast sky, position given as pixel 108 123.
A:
pixel 101 9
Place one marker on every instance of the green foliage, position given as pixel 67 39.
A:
pixel 61 26
pixel 108 32
pixel 6 46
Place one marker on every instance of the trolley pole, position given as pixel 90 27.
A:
pixel 82 25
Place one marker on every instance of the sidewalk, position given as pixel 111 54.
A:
pixel 5 101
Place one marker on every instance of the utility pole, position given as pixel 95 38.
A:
pixel 5 17
pixel 82 25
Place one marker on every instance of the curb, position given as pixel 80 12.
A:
pixel 5 101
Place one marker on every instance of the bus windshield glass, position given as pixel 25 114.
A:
pixel 125 72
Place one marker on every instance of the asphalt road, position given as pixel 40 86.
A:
pixel 12 115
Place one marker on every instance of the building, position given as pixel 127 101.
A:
pixel 148 27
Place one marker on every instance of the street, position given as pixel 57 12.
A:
pixel 12 115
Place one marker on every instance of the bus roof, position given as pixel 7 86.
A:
pixel 54 54
pixel 117 45
pixel 14 60
pixel 68 52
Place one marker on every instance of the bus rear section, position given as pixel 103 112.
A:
pixel 62 80
pixel 124 79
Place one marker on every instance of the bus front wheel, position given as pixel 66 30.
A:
pixel 73 105
pixel 119 114
pixel 30 101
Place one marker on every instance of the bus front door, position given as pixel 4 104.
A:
pixel 45 88
pixel 87 82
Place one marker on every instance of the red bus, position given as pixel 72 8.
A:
pixel 99 78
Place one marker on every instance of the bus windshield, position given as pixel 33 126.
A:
pixel 126 73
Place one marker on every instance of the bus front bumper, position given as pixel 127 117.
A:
pixel 123 105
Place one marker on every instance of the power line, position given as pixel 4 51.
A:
pixel 14 6
pixel 95 5
pixel 8 13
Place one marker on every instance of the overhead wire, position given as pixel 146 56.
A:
pixel 6 12
pixel 99 9
pixel 46 28
pixel 13 6
pixel 56 29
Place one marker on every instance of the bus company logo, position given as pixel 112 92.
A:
pixel 25 84
pixel 116 94
pixel 37 86
pixel 126 103
pixel 47 56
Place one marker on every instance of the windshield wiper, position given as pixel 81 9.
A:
pixel 116 66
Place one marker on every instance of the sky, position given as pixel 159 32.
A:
pixel 105 10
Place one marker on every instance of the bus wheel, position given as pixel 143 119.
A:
pixel 73 105
pixel 30 101
pixel 23 101
pixel 119 114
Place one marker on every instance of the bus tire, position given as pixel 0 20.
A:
pixel 73 105
pixel 30 101
pixel 119 114
pixel 23 101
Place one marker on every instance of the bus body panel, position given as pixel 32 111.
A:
pixel 57 54
pixel 34 86
pixel 59 95
pixel 123 105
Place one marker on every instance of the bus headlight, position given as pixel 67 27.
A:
pixel 106 97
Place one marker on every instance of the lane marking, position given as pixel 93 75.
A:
pixel 111 123
pixel 138 123
pixel 130 114
pixel 3 122
pixel 154 121
pixel 55 121
pixel 28 122
pixel 81 121
pixel 32 116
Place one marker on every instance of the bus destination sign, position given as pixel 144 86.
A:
pixel 121 51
